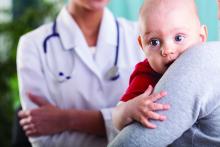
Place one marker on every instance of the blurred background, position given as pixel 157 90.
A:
pixel 20 16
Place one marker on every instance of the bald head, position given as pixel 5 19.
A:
pixel 162 8
pixel 151 5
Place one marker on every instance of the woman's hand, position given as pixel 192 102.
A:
pixel 45 120
pixel 141 108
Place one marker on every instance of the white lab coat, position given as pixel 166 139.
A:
pixel 87 88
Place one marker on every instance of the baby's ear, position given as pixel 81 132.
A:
pixel 140 41
pixel 203 33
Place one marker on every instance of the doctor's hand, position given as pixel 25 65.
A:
pixel 45 120
pixel 141 109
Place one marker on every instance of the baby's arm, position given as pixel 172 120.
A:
pixel 141 109
pixel 138 101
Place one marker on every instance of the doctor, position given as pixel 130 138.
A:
pixel 72 72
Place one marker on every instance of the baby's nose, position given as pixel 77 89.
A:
pixel 165 51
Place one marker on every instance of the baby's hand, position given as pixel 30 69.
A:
pixel 142 109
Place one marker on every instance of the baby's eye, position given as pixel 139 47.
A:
pixel 155 42
pixel 179 38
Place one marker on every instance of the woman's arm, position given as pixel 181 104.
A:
pixel 191 83
pixel 48 119
pixel 31 79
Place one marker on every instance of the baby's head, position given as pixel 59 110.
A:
pixel 167 29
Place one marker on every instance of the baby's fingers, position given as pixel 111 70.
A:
pixel 146 123
pixel 155 116
pixel 148 91
pixel 156 96
pixel 156 106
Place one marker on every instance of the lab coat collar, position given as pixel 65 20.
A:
pixel 68 30
pixel 71 35
pixel 108 29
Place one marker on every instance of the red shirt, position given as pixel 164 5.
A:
pixel 142 76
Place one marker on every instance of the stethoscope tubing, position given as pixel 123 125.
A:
pixel 54 34
pixel 114 75
pixel 118 43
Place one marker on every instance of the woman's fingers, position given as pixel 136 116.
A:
pixel 31 132
pixel 37 100
pixel 25 121
pixel 23 114
pixel 28 127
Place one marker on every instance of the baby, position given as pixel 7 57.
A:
pixel 167 29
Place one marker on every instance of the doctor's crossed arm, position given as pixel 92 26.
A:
pixel 50 128
pixel 54 120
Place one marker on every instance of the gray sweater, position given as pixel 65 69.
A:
pixel 193 86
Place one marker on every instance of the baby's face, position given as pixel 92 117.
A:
pixel 167 31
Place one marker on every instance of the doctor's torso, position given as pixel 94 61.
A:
pixel 86 87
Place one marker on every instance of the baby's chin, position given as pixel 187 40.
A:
pixel 166 66
pixel 161 70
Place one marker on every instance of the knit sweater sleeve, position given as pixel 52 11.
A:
pixel 192 84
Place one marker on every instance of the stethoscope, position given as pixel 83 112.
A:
pixel 112 74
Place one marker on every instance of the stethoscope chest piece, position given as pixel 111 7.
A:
pixel 112 74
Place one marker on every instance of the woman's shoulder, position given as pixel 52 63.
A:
pixel 38 33
pixel 32 41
